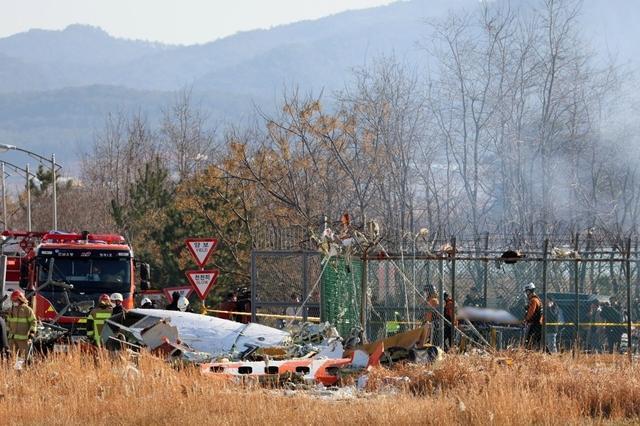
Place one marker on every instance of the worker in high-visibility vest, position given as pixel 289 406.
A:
pixel 393 326
pixel 21 323
pixel 97 317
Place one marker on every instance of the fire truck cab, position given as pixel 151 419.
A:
pixel 65 273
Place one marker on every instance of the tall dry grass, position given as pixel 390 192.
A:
pixel 536 389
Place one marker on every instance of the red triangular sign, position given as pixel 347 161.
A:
pixel 202 281
pixel 182 291
pixel 201 249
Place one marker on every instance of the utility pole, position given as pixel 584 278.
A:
pixel 4 200
pixel 28 197
pixel 55 196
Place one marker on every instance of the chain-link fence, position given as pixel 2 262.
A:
pixel 590 293
pixel 285 284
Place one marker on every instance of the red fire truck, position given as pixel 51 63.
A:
pixel 66 273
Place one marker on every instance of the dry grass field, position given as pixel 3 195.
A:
pixel 534 389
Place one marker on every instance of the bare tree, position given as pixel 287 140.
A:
pixel 187 141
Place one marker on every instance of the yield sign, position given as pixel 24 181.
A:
pixel 182 291
pixel 201 249
pixel 202 281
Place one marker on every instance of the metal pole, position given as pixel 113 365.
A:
pixel 415 285
pixel 55 195
pixel 577 301
pixel 305 285
pixel 453 292
pixel 486 268
pixel 4 201
pixel 637 281
pixel 441 304
pixel 28 198
pixel 628 277
pixel 363 297
pixel 386 297
pixel 545 249
pixel 253 286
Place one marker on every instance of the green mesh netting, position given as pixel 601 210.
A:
pixel 340 294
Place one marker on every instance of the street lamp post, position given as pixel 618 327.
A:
pixel 55 192
pixel 54 169
pixel 28 198
pixel 4 201
pixel 28 176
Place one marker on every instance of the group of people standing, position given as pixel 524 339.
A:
pixel 432 317
pixel 594 336
pixel 601 329
pixel 19 329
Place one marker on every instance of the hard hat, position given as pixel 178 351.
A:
pixel 183 303
pixel 144 301
pixel 530 287
pixel 117 297
pixel 104 298
pixel 16 295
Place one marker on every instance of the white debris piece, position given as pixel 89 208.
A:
pixel 216 336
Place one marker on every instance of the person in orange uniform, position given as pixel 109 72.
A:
pixel 432 304
pixel 533 318
pixel 21 323
pixel 431 316
pixel 449 325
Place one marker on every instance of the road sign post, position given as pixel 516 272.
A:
pixel 201 249
pixel 203 281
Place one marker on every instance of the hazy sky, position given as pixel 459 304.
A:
pixel 170 21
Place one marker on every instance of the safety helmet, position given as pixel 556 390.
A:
pixel 117 297
pixel 529 287
pixel 104 298
pixel 183 303
pixel 145 301
pixel 17 295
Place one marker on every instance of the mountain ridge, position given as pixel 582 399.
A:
pixel 59 83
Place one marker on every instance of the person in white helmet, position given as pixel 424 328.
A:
pixel 183 303
pixel 533 318
pixel 146 303
pixel 117 299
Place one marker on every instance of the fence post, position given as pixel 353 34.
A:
pixel 545 302
pixel 576 342
pixel 486 268
pixel 441 304
pixel 585 264
pixel 305 283
pixel 363 296
pixel 453 293
pixel 637 280
pixel 253 285
pixel 628 265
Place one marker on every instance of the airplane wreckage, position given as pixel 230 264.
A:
pixel 310 353
pixel 304 352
